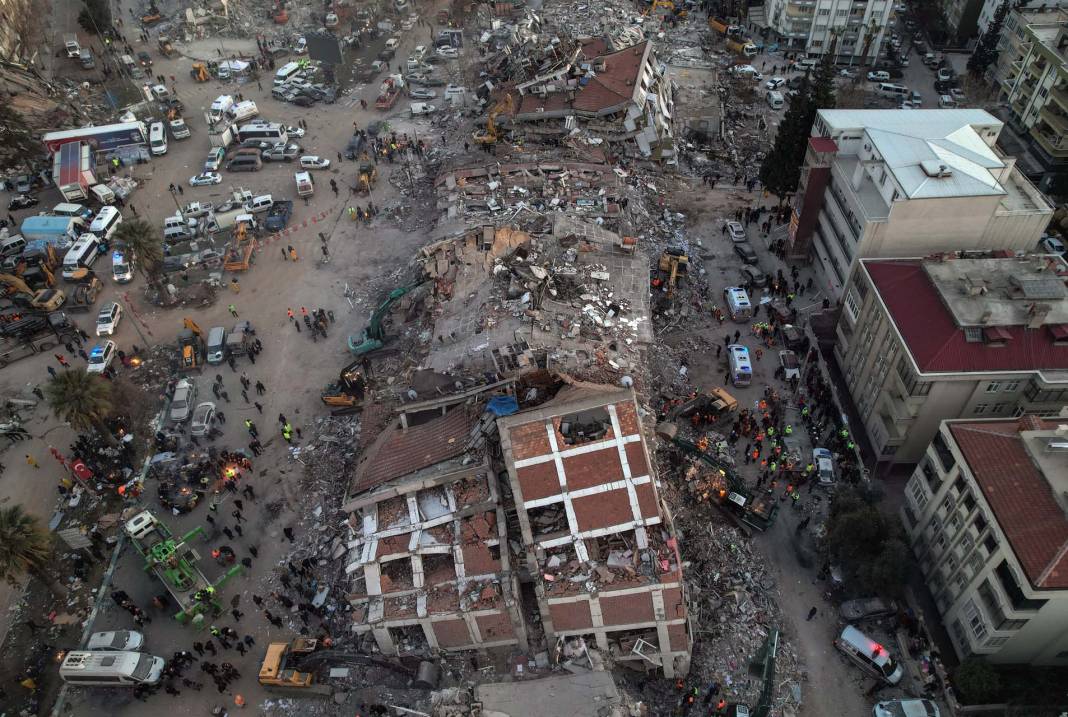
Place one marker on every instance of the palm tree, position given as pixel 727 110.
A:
pixel 25 548
pixel 81 399
pixel 147 248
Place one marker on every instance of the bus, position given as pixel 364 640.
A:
pixel 111 668
pixel 81 255
pixel 741 367
pixel 270 131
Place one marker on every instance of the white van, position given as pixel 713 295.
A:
pixel 105 223
pixel 68 209
pixel 220 107
pixel 891 90
pixel 809 63
pixel 259 204
pixel 869 655
pixel 738 304
pixel 81 255
pixel 305 186
pixel 421 108
pixel 392 43
pixel 12 246
pixel 243 111
pixel 741 366
pixel 157 139
pixel 111 668
pixel 285 72
pixel 216 345
pixel 947 101
pixel 775 100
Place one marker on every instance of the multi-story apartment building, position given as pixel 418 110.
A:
pixel 921 341
pixel 990 8
pixel 898 183
pixel 985 512
pixel 851 29
pixel 1032 79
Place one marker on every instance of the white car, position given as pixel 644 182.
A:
pixel 906 708
pixel 310 161
pixel 101 356
pixel 214 160
pixel 736 232
pixel 449 53
pixel 108 318
pixel 824 462
pixel 421 93
pixel 1051 245
pixel 301 47
pixel 203 419
pixel 205 179
pixel 116 641
pixel 775 83
pixel 295 131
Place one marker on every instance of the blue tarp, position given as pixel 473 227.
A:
pixel 502 405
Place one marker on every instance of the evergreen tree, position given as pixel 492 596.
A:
pixel 823 87
pixel 986 51
pixel 781 169
pixel 95 17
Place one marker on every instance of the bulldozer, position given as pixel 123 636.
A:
pixel 199 72
pixel 491 134
pixel 190 346
pixel 367 176
pixel 346 394
pixel 673 263
pixel 279 673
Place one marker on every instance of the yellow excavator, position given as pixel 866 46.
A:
pixel 190 346
pixel 41 299
pixel 200 72
pixel 279 671
pixel 239 252
pixel 349 389
pixel 673 264
pixel 490 135
pixel 367 176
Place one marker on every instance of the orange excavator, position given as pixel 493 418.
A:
pixel 279 14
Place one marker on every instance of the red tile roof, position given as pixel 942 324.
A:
pixel 935 341
pixel 401 452
pixel 1020 496
pixel 607 88
pixel 823 145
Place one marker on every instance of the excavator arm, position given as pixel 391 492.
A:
pixel 372 336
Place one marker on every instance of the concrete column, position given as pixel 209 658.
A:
pixel 384 641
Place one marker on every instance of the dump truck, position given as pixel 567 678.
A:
pixel 388 94
pixel 174 562
pixel 34 334
pixel 279 670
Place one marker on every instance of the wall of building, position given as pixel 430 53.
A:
pixel 918 227
pixel 15 16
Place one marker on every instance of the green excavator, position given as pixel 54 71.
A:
pixel 374 335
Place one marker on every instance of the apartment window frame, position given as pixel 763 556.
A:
pixel 993 387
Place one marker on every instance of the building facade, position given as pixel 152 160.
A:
pixel 921 341
pixel 851 30
pixel 985 513
pixel 1032 80
pixel 597 538
pixel 898 183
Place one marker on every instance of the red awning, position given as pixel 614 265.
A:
pixel 996 335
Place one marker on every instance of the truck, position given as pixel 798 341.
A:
pixel 58 231
pixel 305 187
pixel 388 94
pixel 34 334
pixel 174 560
pixel 179 129
pixel 105 138
pixel 742 46
pixel 242 111
pixel 72 171
pixel 70 44
pixel 221 136
pixel 103 193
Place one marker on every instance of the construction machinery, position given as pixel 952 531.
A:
pixel 373 336
pixel 388 94
pixel 723 485
pixel 25 335
pixel 491 134
pixel 242 244
pixel 152 16
pixel 279 14
pixel 348 391
pixel 674 263
pixel 367 176
pixel 715 403
pixel 279 673
pixel 84 295
pixel 199 72
pixel 20 293
pixel 174 562
pixel 165 47
pixel 190 347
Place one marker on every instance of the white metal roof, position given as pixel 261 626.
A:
pixel 910 140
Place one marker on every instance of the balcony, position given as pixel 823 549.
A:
pixel 899 410
pixel 894 431
pixel 1058 120
pixel 848 217
pixel 1060 96
pixel 1055 145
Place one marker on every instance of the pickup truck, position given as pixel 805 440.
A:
pixel 278 216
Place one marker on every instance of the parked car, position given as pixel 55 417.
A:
pixel 185 396
pixel 282 153
pixel 775 83
pixel 278 216
pixel 945 74
pixel 1051 245
pixel 824 462
pixel 101 356
pixel 214 160
pixel 107 320
pixel 116 641
pixel 297 132
pixel 203 419
pixel 906 708
pixel 878 76
pixel 205 179
pixel 422 93
pixel 736 231
pixel 754 276
pixel 866 609
pixel 260 144
pixel 22 201
pixel 743 250
pixel 303 101
pixel 450 53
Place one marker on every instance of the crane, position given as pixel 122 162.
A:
pixel 489 135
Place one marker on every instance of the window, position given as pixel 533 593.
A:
pixel 993 387
pixel 825 11
pixel 1013 591
pixel 954 524
pixel 1011 387
pixel 947 504
pixel 945 456
pixel 852 305
pixel 973 334
pixel 999 408
pixel 918 493
pixel 980 408
pixel 996 642
pixel 990 543
pixel 975 620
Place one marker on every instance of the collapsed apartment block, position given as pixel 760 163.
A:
pixel 618 96
pixel 428 554
pixel 598 540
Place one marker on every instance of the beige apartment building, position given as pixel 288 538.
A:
pixel 985 511
pixel 899 183
pixel 921 341
pixel 1032 78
